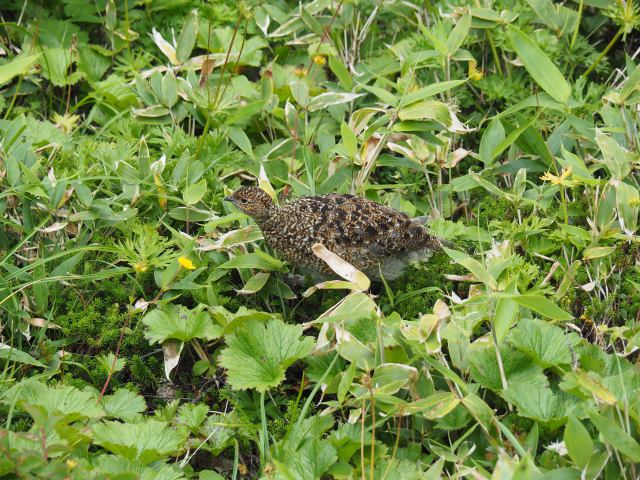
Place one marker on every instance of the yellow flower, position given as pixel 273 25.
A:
pixel 186 263
pixel 474 73
pixel 71 464
pixel 140 267
pixel 319 59
pixel 299 72
pixel 561 180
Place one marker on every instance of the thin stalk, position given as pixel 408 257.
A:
pixel 604 52
pixel 362 415
pixel 265 434
pixel 575 32
pixel 373 435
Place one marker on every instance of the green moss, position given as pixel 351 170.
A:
pixel 419 276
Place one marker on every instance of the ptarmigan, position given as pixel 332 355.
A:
pixel 370 236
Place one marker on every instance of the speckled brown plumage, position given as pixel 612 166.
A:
pixel 364 233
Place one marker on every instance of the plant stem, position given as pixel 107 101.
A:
pixel 265 434
pixel 575 32
pixel 604 52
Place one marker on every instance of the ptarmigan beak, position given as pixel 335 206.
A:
pixel 230 198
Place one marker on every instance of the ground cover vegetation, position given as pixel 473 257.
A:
pixel 146 329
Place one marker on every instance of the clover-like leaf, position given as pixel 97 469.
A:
pixel 257 355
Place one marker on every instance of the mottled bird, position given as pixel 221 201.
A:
pixel 367 234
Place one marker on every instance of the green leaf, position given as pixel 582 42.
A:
pixel 541 305
pixel 426 110
pixel 391 377
pixel 505 313
pixel 328 99
pixel 17 66
pixel 459 33
pixel 615 436
pixel 578 442
pixel 57 400
pixel 616 158
pixel 241 140
pixel 7 352
pixel 545 343
pixel 473 266
pixel 538 401
pixel 179 323
pixel 349 140
pixel 124 404
pixel 258 259
pixel 492 137
pixel 434 406
pixel 194 192
pixel 145 442
pixel 254 284
pixel 258 355
pixel 510 139
pixel 429 91
pixel 541 69
pixel 341 72
pixel 518 367
pixel 382 94
pixel 187 38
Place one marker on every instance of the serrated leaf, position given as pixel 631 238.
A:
pixel 123 404
pixel 145 442
pixel 258 355
pixel 545 343
pixel 58 400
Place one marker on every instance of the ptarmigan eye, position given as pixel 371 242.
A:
pixel 244 200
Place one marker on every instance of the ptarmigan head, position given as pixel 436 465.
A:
pixel 253 201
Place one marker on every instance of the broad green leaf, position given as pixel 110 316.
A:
pixel 62 400
pixel 617 159
pixel 258 355
pixel 578 442
pixel 349 140
pixel 257 259
pixel 194 192
pixel 300 92
pixel 542 305
pixel 479 410
pixel 627 203
pixel 518 367
pixel 391 377
pixel 597 252
pixel 459 33
pixel 145 442
pixel 345 382
pixel 382 94
pixel 434 406
pixel 124 404
pixel 241 140
pixel 493 136
pixel 17 66
pixel 504 316
pixel 510 139
pixel 187 38
pixel 615 436
pixel 254 284
pixel 430 91
pixel 545 343
pixel 426 110
pixel 7 352
pixel 539 402
pixel 341 72
pixel 587 384
pixel 328 99
pixel 473 266
pixel 631 84
pixel 541 69
pixel 179 323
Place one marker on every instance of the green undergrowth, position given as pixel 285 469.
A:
pixel 148 331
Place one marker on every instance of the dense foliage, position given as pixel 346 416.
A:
pixel 146 329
